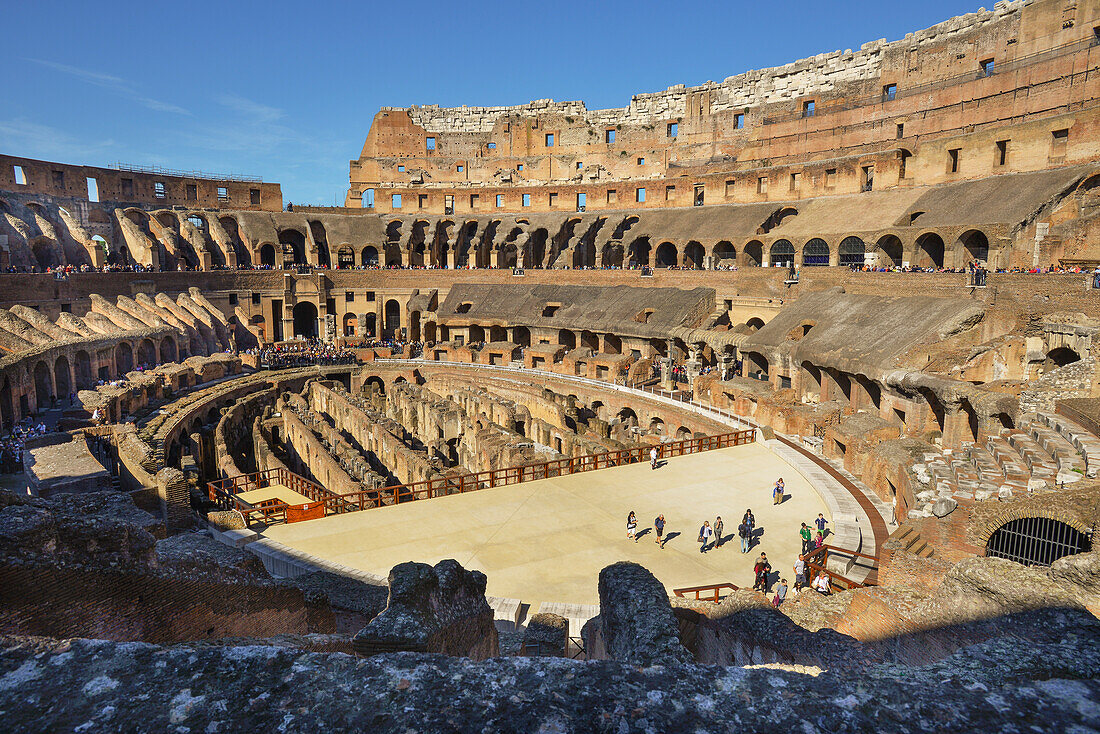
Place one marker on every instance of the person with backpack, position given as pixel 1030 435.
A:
pixel 762 569
pixel 705 534
pixel 659 527
pixel 748 523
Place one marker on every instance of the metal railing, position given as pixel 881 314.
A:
pixel 817 559
pixel 133 168
pixel 223 491
pixel 712 589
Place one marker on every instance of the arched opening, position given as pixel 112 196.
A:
pixel 345 257
pixel 62 380
pixel 124 359
pixel 815 253
pixel 351 324
pixel 567 338
pixel 657 426
pixel 755 323
pixel 725 254
pixel 666 255
pixel 521 335
pixel 756 365
pixel 477 334
pixel 430 329
pixel 392 325
pixel 267 256
pixel 590 340
pixel 294 246
pixel 369 256
pixel 852 252
pixel 975 245
pixel 935 406
pixel 44 254
pixel 694 255
pixel 305 320
pixel 782 254
pixel 889 249
pixel 627 417
pixel 930 251
pixel 147 353
pixel 1062 356
pixel 612 344
pixel 509 256
pixel 498 333
pixel 754 254
pixel 612 256
pixel 84 378
pixel 639 252
pixel 167 350
pixel 1036 541
pixel 370 325
pixel 683 433
pixel 376 384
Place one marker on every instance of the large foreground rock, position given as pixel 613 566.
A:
pixel 81 685
pixel 635 624
pixel 441 609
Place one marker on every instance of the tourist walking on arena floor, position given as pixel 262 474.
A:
pixel 659 527
pixel 705 534
pixel 632 526
pixel 780 594
pixel 777 492
pixel 762 569
pixel 719 528
pixel 807 537
pixel 653 458
pixel 748 524
pixel 800 571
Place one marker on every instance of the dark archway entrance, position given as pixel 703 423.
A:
pixel 1036 541
pixel 305 320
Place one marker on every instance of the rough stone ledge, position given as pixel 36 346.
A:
pixel 91 685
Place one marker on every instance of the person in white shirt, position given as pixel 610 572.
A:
pixel 653 458
pixel 821 584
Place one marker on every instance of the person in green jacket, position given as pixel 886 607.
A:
pixel 807 538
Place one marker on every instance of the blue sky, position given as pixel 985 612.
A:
pixel 287 91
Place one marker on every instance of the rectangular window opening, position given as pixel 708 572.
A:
pixel 612 196
pixel 673 129
pixel 429 143
pixel 549 140
pixel 987 67
pixel 20 176
pixel 639 196
pixel 395 201
pixel 868 176
pixel 699 193
pixel 953 160
pixel 1002 152
pixel 400 169
pixel 582 202
pixel 500 200
pixel 670 193
pixel 491 146
pixel 762 185
pixel 889 92
pixel 527 200
pixel 796 181
pixel 808 108
pixel 901 131
pixel 553 200
pixel 254 197
pixel 461 168
pixel 255 299
pixel 160 191
pixel 474 199
pixel 59 180
pixel 729 188
pixel 519 167
pixel 580 165
pixel 830 178
pixel 93 189
pixel 368 198
pixel 422 201
pixel 609 136
pixel 223 194
pixel 739 121
pixel 192 192
pixel 641 161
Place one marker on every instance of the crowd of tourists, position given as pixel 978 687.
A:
pixel 11 446
pixel 313 352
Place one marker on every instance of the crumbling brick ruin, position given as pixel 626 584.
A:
pixel 514 295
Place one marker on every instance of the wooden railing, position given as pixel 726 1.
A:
pixel 713 591
pixel 222 491
pixel 817 559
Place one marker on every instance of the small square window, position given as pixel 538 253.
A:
pixel 500 200
pixel 889 92
pixel 349 296
pixel 549 140
pixel 429 143
pixel 232 299
pixel 609 136
pixel 808 108
pixel 580 165
pixel 641 161
pixel 400 169
pixel 461 168
pixel 66 308
pixel 20 176
pixel 739 121
pixel 553 200
pixel 223 194
pixel 639 196
pixel 370 296
pixel 395 201
pixel 673 129
pixel 612 196
pixel 160 191
pixel 527 200
pixel 491 146
pixel 519 167
pixel 255 299
pixel 474 198
pixel 987 67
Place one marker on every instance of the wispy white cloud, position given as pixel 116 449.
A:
pixel 35 140
pixel 115 84
pixel 256 110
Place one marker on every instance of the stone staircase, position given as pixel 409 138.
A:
pixel 1044 451
pixel 913 543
